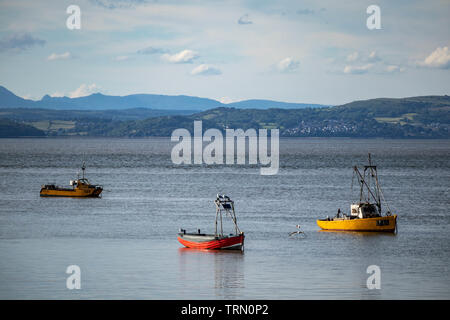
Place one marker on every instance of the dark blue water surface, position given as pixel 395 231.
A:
pixel 125 243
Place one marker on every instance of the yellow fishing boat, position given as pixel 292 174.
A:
pixel 80 187
pixel 366 214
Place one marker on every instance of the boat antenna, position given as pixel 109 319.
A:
pixel 353 177
pixel 83 167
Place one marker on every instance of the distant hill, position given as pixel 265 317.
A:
pixel 411 117
pixel 13 129
pixel 270 104
pixel 35 114
pixel 424 110
pixel 418 117
pixel 98 101
pixel 397 106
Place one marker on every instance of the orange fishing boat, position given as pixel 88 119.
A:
pixel 81 187
pixel 218 240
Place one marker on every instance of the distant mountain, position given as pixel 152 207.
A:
pixel 98 101
pixel 9 99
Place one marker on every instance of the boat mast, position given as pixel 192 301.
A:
pixel 83 168
pixel 374 174
pixel 218 214
pixel 370 171
pixel 233 217
pixel 225 203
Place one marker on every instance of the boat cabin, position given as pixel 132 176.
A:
pixel 78 182
pixel 364 210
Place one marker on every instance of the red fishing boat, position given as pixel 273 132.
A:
pixel 198 240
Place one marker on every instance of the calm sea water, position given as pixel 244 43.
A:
pixel 125 243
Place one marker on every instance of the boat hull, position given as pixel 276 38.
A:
pixel 378 224
pixel 80 193
pixel 211 242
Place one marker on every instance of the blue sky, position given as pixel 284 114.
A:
pixel 294 51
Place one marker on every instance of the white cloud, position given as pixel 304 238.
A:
pixel 226 100
pixel 357 69
pixel 29 97
pixel 57 95
pixel 305 11
pixel 439 58
pixel 84 90
pixel 20 42
pixel 357 63
pixel 62 56
pixel 244 20
pixel 205 70
pixel 353 56
pixel 151 50
pixel 394 68
pixel 118 4
pixel 185 56
pixel 373 57
pixel 288 65
pixel 121 58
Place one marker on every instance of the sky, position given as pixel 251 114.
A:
pixel 293 51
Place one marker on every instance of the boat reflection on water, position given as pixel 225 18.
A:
pixel 359 234
pixel 216 252
pixel 223 269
